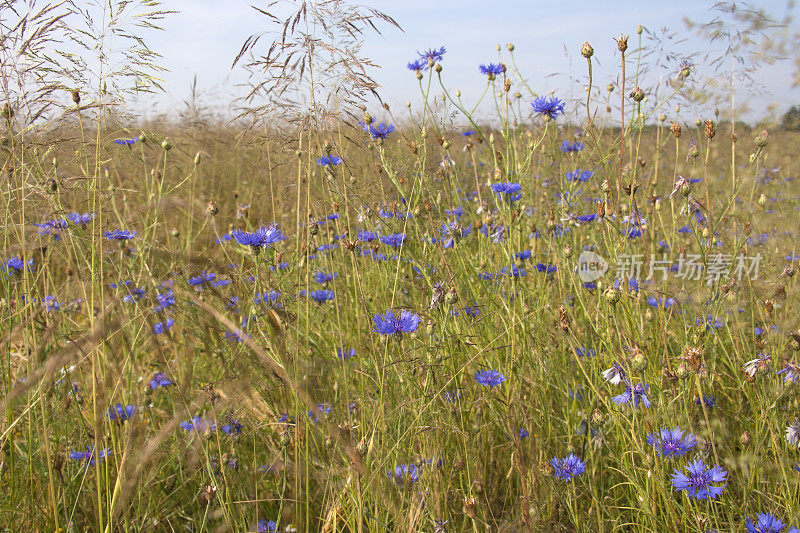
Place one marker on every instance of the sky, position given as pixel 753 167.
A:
pixel 204 37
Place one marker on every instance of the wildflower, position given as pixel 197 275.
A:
pixel 633 395
pixel 615 374
pixel 119 235
pixel 346 354
pixel 709 401
pixel 672 442
pixel 324 408
pixel 51 303
pixel 239 334
pixel 395 240
pixel 583 352
pixel 432 54
pixel 404 474
pixel 580 175
pixel 233 427
pixel 165 299
pixel 489 378
pixel 322 277
pixel 550 108
pixel 267 526
pixel 161 327
pixel 418 65
pixel 792 372
pixel 126 142
pixel 322 296
pixel 15 265
pixel 379 131
pixel 270 298
pixel 453 232
pixel 160 380
pixel 575 147
pixel 766 523
pixel 88 455
pixel 263 236
pixel 396 324
pixel 510 192
pixel 492 70
pixel 52 227
pixel 329 161
pixel 79 219
pixel 711 322
pixel 698 482
pixel 752 367
pixel 202 279
pixel 568 468
pixel 198 424
pixel 793 434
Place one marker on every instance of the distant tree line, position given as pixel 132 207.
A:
pixel 791 119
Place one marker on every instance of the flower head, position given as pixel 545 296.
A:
pixel 672 442
pixel 634 394
pixel 615 374
pixel 489 378
pixel 492 70
pixel 568 468
pixel 329 161
pixel 160 380
pixel 765 523
pixel 404 474
pixel 510 192
pixel 551 107
pixel 263 236
pixel 391 323
pixel 119 235
pixel 377 131
pixel 432 54
pixel 575 147
pixel 698 482
pixel 322 296
pixel 121 412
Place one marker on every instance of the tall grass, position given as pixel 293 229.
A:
pixel 192 377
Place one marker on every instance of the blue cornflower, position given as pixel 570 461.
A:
pixel 568 468
pixel 766 523
pixel 88 455
pixel 329 161
pixel 708 400
pixel 51 303
pixel 634 394
pixel 263 236
pixel 202 278
pixel 239 334
pixel 346 354
pixel 15 265
pixel 660 301
pixel 270 298
pixel 698 481
pixel 53 227
pixel 324 408
pixel 198 424
pixel 379 131
pixel 551 108
pixel 323 277
pixel 165 299
pixel 510 192
pixel 711 322
pixel 126 142
pixel 546 269
pixel 492 70
pixel 233 427
pixel 432 54
pixel 792 372
pixel 793 434
pixel 489 378
pixel 267 526
pixel 366 236
pixel 583 352
pixel 404 474
pixel 162 327
pixel 396 324
pixel 575 147
pixel 579 175
pixel 79 219
pixel 160 380
pixel 121 412
pixel 468 133
pixel 418 65
pixel 395 240
pixel 119 235
pixel 672 442
pixel 322 296
pixel 453 232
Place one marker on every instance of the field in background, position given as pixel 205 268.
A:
pixel 401 319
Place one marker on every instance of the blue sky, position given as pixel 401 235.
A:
pixel 205 36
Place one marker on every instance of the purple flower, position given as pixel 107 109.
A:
pixel 568 468
pixel 329 161
pixel 377 131
pixel 322 277
pixel 126 142
pixel 162 327
pixel 88 455
pixel 322 296
pixel 119 235
pixel 404 474
pixel 672 442
pixel 489 378
pixel 346 354
pixel 198 424
pixel 263 236
pixel 697 482
pixel 492 70
pixel 396 324
pixel 766 523
pixel 267 526
pixel 395 240
pixel 551 108
pixel 121 412
pixel 418 65
pixel 160 380
pixel 575 147
pixel 510 192
pixel 432 54
pixel 615 374
pixel 793 434
pixel 634 394
pixel 792 372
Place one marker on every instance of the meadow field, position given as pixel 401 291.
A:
pixel 348 316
